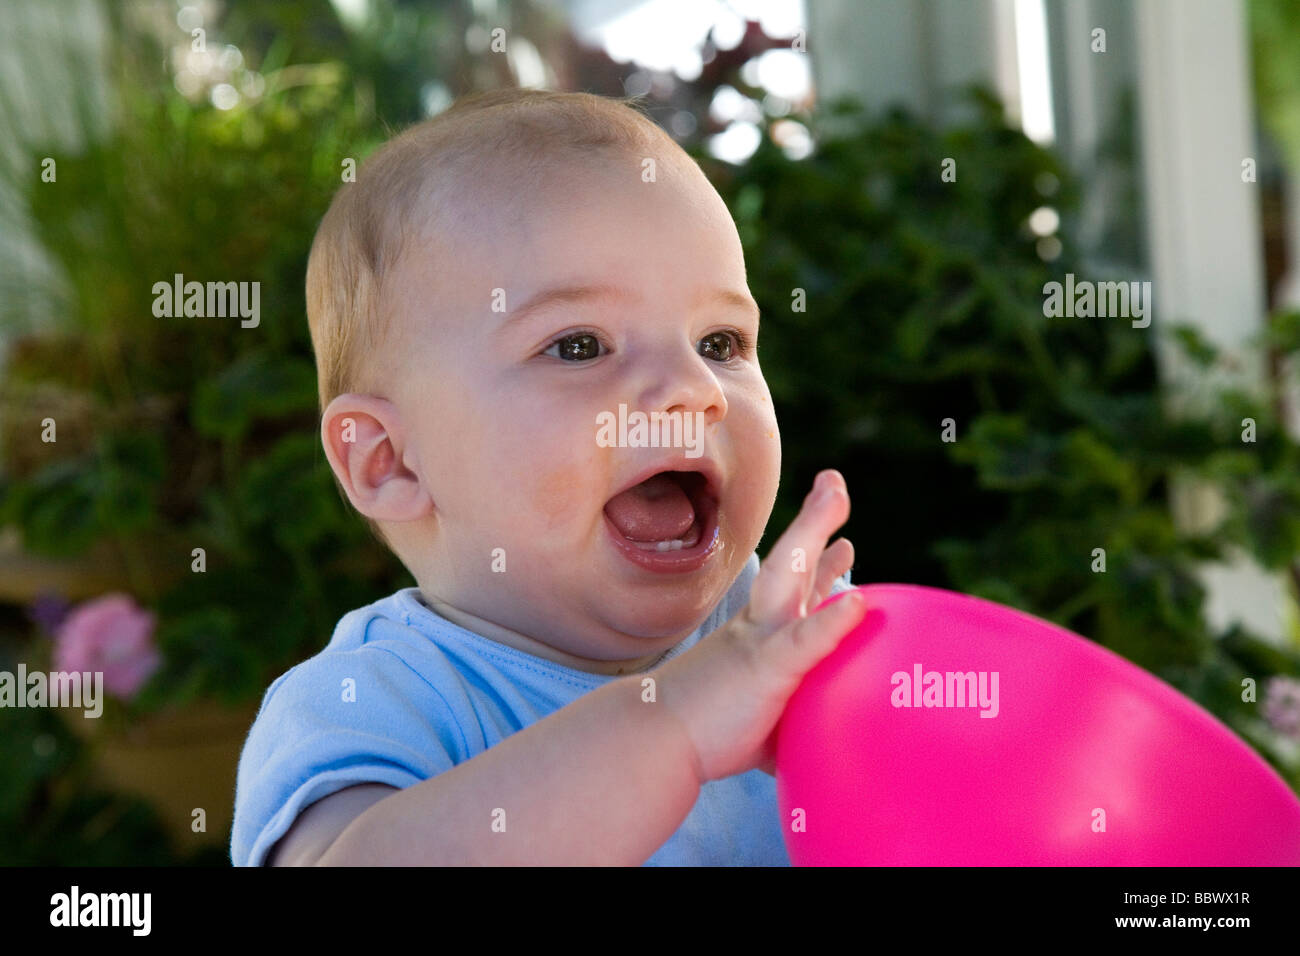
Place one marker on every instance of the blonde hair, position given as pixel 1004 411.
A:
pixel 400 189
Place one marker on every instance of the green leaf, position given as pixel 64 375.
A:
pixel 256 386
pixel 57 509
pixel 291 492
pixel 132 467
pixel 1086 459
pixel 1198 348
pixel 1006 453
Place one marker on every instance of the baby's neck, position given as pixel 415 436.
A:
pixel 528 645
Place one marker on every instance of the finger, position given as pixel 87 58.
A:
pixel 799 646
pixel 836 559
pixel 793 561
pixel 785 580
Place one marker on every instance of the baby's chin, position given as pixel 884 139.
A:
pixel 678 604
pixel 664 626
pixel 660 617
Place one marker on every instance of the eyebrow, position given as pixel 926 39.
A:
pixel 590 293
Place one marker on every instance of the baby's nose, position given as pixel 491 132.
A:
pixel 685 383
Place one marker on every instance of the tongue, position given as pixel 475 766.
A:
pixel 655 510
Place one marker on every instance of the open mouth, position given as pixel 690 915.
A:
pixel 667 521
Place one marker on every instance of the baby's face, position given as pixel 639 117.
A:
pixel 503 431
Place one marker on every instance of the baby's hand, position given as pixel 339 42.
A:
pixel 729 691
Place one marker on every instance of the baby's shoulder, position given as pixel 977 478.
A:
pixel 375 651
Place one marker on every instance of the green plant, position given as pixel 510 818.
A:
pixel 183 433
pixel 924 302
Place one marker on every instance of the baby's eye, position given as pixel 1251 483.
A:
pixel 723 346
pixel 578 347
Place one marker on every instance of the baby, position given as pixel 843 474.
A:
pixel 593 663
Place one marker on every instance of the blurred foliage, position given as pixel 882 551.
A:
pixel 195 432
pixel 1275 47
pixel 924 301
pixel 53 812
pixel 181 433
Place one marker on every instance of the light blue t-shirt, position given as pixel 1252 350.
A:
pixel 430 695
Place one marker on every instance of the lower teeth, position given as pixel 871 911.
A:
pixel 674 545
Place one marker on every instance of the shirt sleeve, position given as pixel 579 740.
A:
pixel 338 719
pixel 842 583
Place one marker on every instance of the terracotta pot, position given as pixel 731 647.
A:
pixel 103 568
pixel 179 760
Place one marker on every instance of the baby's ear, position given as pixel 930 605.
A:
pixel 364 443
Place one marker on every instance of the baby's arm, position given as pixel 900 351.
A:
pixel 605 780
pixel 610 777
pixel 320 824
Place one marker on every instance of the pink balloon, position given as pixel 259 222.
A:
pixel 1018 764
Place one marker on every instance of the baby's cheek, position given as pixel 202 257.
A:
pixel 561 495
pixel 760 425
pixel 762 455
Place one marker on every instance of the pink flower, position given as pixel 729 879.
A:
pixel 1282 705
pixel 113 635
